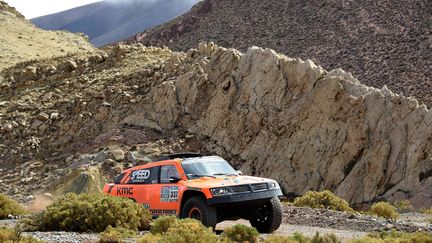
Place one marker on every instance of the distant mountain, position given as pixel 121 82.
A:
pixel 113 20
pixel 382 42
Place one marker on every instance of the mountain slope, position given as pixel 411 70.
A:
pixel 382 42
pixel 109 21
pixel 22 41
pixel 268 114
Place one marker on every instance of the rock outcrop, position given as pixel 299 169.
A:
pixel 270 115
pixel 382 42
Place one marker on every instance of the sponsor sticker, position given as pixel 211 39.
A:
pixel 169 194
pixel 124 191
pixel 140 176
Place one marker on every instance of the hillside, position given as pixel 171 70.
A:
pixel 381 42
pixel 109 21
pixel 22 41
pixel 80 118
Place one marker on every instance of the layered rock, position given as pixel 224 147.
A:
pixel 270 115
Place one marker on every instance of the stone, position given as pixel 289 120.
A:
pixel 42 116
pixel 54 116
pixel 70 65
pixel 118 155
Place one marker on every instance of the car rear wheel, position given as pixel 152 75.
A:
pixel 196 208
pixel 268 218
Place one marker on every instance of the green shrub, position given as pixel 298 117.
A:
pixel 162 224
pixel 8 235
pixel 90 212
pixel 116 235
pixel 190 230
pixel 385 210
pixel 9 206
pixel 150 238
pixel 403 206
pixel 426 210
pixel 300 238
pixel 279 239
pixel 396 237
pixel 241 233
pixel 329 238
pixel 181 230
pixel 325 199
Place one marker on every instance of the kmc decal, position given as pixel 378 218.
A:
pixel 123 191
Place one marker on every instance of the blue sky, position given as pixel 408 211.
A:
pixel 36 8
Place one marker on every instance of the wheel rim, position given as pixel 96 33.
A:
pixel 195 213
pixel 263 214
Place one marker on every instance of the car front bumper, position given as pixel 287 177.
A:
pixel 245 197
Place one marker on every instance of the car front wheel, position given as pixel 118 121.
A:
pixel 196 208
pixel 268 218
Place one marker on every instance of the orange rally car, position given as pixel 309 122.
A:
pixel 206 188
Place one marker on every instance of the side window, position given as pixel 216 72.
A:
pixel 119 178
pixel 144 176
pixel 168 171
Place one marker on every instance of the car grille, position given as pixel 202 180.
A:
pixel 240 189
pixel 249 188
pixel 259 187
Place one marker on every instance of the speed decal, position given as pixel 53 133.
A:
pixel 140 176
pixel 169 194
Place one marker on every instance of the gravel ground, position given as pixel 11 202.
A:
pixel 409 222
pixel 304 220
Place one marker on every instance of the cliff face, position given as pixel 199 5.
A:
pixel 291 120
pixel 382 42
pixel 270 115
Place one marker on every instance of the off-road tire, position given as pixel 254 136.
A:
pixel 208 213
pixel 269 217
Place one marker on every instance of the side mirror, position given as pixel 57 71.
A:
pixel 239 172
pixel 174 179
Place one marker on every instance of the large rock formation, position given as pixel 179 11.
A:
pixel 270 115
pixel 382 42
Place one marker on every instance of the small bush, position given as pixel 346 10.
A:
pixel 280 239
pixel 241 233
pixel 150 238
pixel 426 210
pixel 403 206
pixel 162 224
pixel 182 230
pixel 300 238
pixel 9 206
pixel 396 237
pixel 90 212
pixel 116 235
pixel 8 235
pixel 329 238
pixel 325 199
pixel 385 210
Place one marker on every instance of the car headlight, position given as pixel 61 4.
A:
pixel 221 191
pixel 273 185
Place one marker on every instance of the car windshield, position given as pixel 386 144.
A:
pixel 195 168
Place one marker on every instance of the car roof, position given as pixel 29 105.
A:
pixel 174 161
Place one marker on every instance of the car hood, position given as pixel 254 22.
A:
pixel 220 181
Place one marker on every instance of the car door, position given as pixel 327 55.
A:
pixel 141 181
pixel 165 195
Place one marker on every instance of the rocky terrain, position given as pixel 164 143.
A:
pixel 381 42
pixel 22 41
pixel 268 114
pixel 296 219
